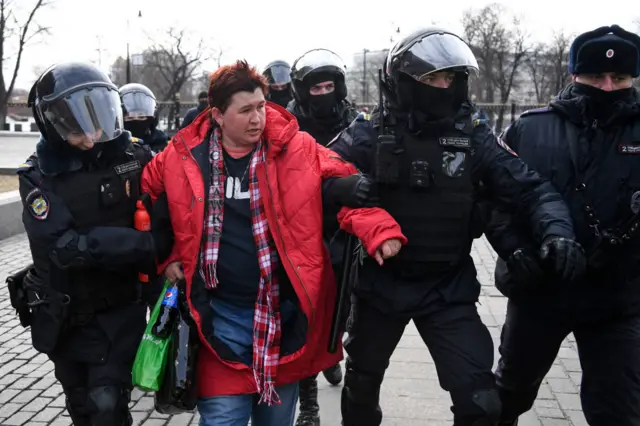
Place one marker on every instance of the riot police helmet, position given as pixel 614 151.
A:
pixel 138 101
pixel 316 66
pixel 278 73
pixel 415 60
pixel 75 99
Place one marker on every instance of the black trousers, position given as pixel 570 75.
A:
pixel 93 363
pixel 459 343
pixel 609 354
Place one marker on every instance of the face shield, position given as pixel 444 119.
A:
pixel 279 74
pixel 93 112
pixel 435 52
pixel 138 105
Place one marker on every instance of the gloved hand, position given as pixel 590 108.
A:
pixel 161 229
pixel 565 257
pixel 71 251
pixel 525 267
pixel 355 191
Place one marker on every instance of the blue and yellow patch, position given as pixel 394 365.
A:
pixel 27 165
pixel 37 204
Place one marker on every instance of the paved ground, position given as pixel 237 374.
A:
pixel 411 396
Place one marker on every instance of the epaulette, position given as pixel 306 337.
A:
pixel 541 110
pixel 25 167
pixel 363 116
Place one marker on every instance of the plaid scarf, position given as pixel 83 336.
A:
pixel 266 320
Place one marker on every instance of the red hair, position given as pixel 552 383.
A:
pixel 231 79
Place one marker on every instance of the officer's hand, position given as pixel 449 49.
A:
pixel 173 272
pixel 71 251
pixel 525 267
pixel 387 249
pixel 355 191
pixel 566 257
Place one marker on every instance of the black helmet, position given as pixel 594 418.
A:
pixel 76 98
pixel 427 51
pixel 278 72
pixel 138 101
pixel 315 66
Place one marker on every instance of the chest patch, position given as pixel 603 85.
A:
pixel 121 169
pixel 629 148
pixel 455 142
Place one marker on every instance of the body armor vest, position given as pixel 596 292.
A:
pixel 103 197
pixel 431 194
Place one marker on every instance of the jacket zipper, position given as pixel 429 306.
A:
pixel 295 270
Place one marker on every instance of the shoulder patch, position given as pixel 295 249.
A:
pixel 542 110
pixel 479 121
pixel 135 140
pixel 363 116
pixel 38 204
pixel 26 166
pixel 506 147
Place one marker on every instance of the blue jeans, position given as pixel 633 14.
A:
pixel 236 410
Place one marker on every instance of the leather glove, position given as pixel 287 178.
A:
pixel 525 267
pixel 355 191
pixel 71 251
pixel 565 257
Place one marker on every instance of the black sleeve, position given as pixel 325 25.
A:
pixel 48 220
pixel 522 190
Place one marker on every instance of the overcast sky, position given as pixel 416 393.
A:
pixel 261 31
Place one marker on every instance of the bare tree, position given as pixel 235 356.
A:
pixel 174 63
pixel 559 58
pixel 539 66
pixel 16 35
pixel 501 50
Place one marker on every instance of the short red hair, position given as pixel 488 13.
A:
pixel 231 79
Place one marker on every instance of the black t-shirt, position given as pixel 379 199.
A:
pixel 237 267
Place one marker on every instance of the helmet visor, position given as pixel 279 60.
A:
pixel 279 74
pixel 316 60
pixel 138 104
pixel 436 52
pixel 95 113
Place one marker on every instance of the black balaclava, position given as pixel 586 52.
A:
pixel 322 106
pixel 435 103
pixel 280 97
pixel 600 102
pixel 139 128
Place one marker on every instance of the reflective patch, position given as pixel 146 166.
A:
pixel 505 146
pixel 127 167
pixel 453 163
pixel 37 204
pixel 629 149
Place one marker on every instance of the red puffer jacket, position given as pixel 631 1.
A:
pixel 290 182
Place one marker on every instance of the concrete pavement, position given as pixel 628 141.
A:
pixel 411 396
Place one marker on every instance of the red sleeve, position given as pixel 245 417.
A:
pixel 153 184
pixel 153 175
pixel 373 226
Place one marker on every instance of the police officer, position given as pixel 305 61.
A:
pixel 320 106
pixel 192 113
pixel 140 115
pixel 320 95
pixel 428 159
pixel 278 75
pixel 586 143
pixel 79 193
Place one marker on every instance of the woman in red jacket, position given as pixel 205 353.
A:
pixel 245 197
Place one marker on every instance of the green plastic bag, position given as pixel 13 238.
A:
pixel 148 367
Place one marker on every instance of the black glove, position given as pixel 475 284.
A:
pixel 355 191
pixel 71 251
pixel 161 229
pixel 565 257
pixel 525 267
